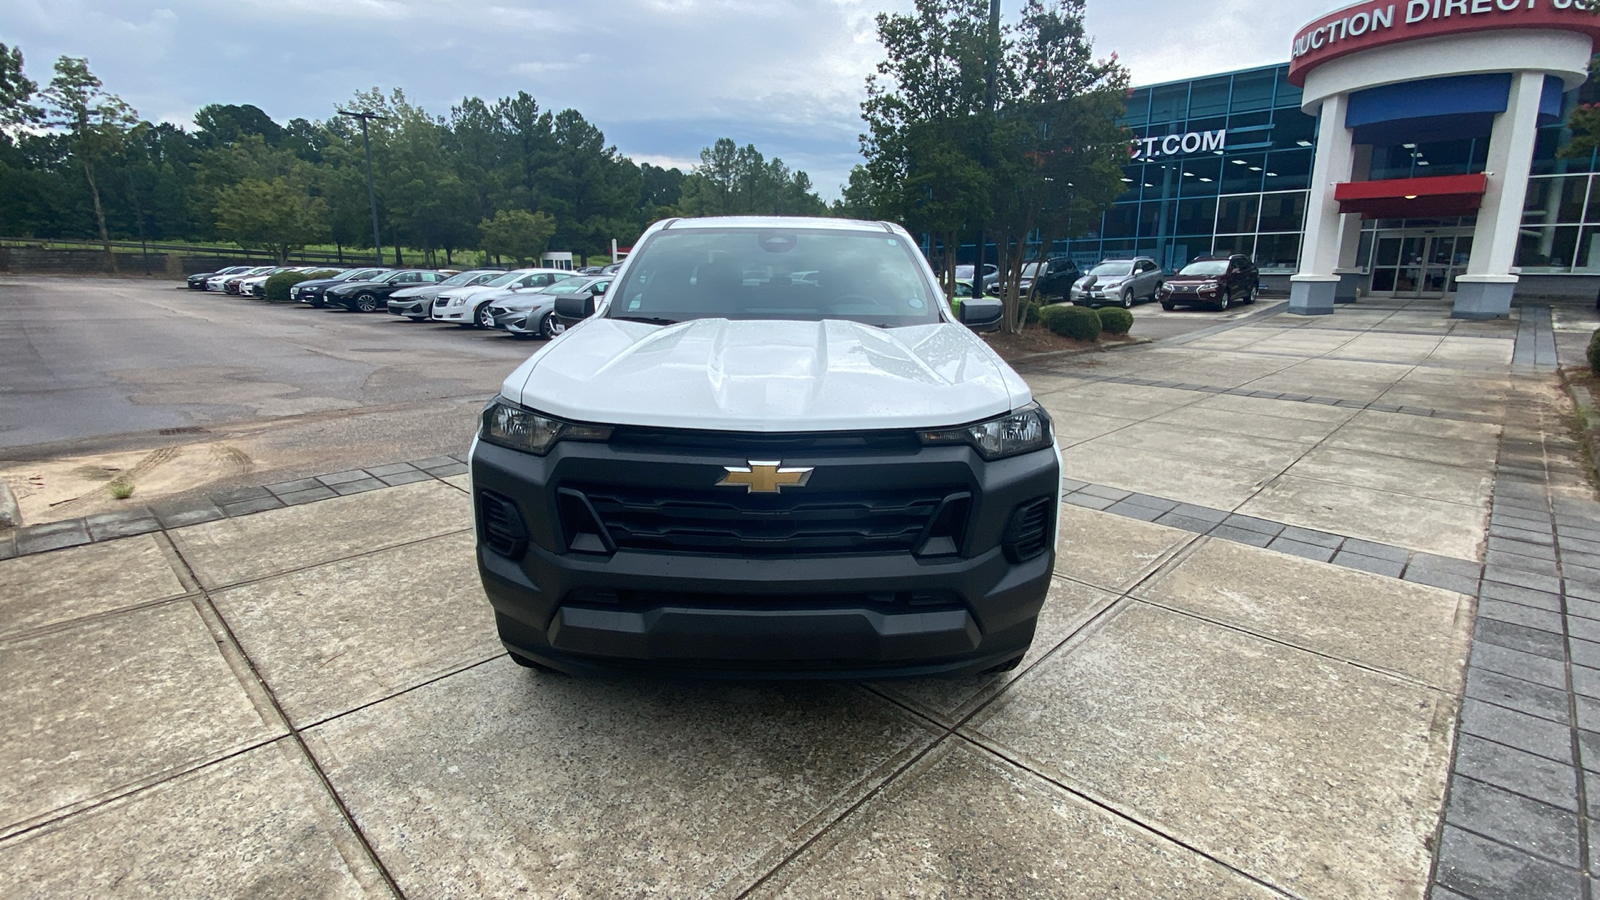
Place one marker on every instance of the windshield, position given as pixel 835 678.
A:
pixel 1206 267
pixel 1032 270
pixel 461 278
pixel 1112 268
pixel 503 280
pixel 570 285
pixel 798 275
pixel 357 275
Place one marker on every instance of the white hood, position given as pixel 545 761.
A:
pixel 717 374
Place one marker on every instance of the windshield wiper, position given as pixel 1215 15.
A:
pixel 646 319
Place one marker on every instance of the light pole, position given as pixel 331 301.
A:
pixel 372 195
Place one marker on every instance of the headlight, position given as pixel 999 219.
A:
pixel 1023 431
pixel 510 425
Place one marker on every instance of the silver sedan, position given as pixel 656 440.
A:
pixel 530 313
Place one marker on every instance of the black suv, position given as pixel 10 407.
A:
pixel 1214 281
pixel 1050 278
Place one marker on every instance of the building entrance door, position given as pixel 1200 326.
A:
pixel 1417 265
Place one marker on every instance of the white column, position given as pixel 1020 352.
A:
pixel 1349 271
pixel 1485 291
pixel 1311 291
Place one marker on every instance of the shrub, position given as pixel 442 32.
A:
pixel 1033 313
pixel 1594 353
pixel 1077 322
pixel 277 287
pixel 1116 320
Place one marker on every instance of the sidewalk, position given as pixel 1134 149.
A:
pixel 1247 681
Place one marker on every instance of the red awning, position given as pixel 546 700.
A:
pixel 1411 198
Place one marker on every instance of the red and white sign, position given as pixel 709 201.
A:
pixel 1380 22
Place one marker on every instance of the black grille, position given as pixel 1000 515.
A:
pixel 888 601
pixel 801 523
pixel 1028 533
pixel 764 446
pixel 500 525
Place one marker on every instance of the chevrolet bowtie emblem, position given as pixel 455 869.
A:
pixel 764 477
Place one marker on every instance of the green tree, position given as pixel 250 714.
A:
pixel 16 92
pixel 928 120
pixel 223 123
pixel 740 181
pixel 859 198
pixel 588 186
pixel 277 215
pixel 1056 151
pixel 521 235
pixel 96 123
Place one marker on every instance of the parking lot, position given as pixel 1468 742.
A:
pixel 201 393
pixel 1279 541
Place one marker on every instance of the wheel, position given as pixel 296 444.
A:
pixel 547 326
pixel 366 302
pixel 1222 302
pixel 1251 297
pixel 317 304
pixel 527 663
pixel 1169 307
pixel 481 317
pixel 1127 298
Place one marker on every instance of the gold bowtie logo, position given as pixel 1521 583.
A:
pixel 764 477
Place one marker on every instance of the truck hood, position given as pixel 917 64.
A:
pixel 766 376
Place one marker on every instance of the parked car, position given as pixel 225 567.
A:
pixel 532 312
pixel 1050 279
pixel 371 296
pixel 991 275
pixel 829 479
pixel 1215 281
pixel 469 307
pixel 249 286
pixel 228 284
pixel 416 303
pixel 198 282
pixel 1121 282
pixel 311 292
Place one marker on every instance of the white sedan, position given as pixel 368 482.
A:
pixel 469 306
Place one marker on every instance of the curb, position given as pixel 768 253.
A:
pixel 1079 351
pixel 10 514
pixel 158 516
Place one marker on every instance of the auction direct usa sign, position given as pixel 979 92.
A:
pixel 1380 22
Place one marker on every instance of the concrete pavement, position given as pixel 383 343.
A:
pixel 1247 681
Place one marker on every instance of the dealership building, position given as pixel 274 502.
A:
pixel 1409 148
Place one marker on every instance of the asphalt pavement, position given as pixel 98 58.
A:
pixel 190 394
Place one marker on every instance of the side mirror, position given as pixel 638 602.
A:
pixel 574 306
pixel 982 314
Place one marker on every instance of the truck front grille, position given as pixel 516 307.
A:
pixel 812 523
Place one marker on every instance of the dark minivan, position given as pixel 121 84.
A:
pixel 1214 281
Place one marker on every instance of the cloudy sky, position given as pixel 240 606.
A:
pixel 662 78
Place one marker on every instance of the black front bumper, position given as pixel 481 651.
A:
pixel 783 615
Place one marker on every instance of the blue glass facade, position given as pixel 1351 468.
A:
pixel 1247 197
pixel 1250 196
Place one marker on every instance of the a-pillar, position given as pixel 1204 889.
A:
pixel 1349 271
pixel 1485 291
pixel 1313 289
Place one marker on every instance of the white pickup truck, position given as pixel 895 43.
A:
pixel 772 451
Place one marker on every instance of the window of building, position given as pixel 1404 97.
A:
pixel 1242 174
pixel 1138 113
pixel 1210 97
pixel 1201 175
pixel 1287 170
pixel 1197 217
pixel 1278 251
pixel 1168 103
pixel 1283 212
pixel 1238 214
pixel 1253 90
pixel 1120 221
